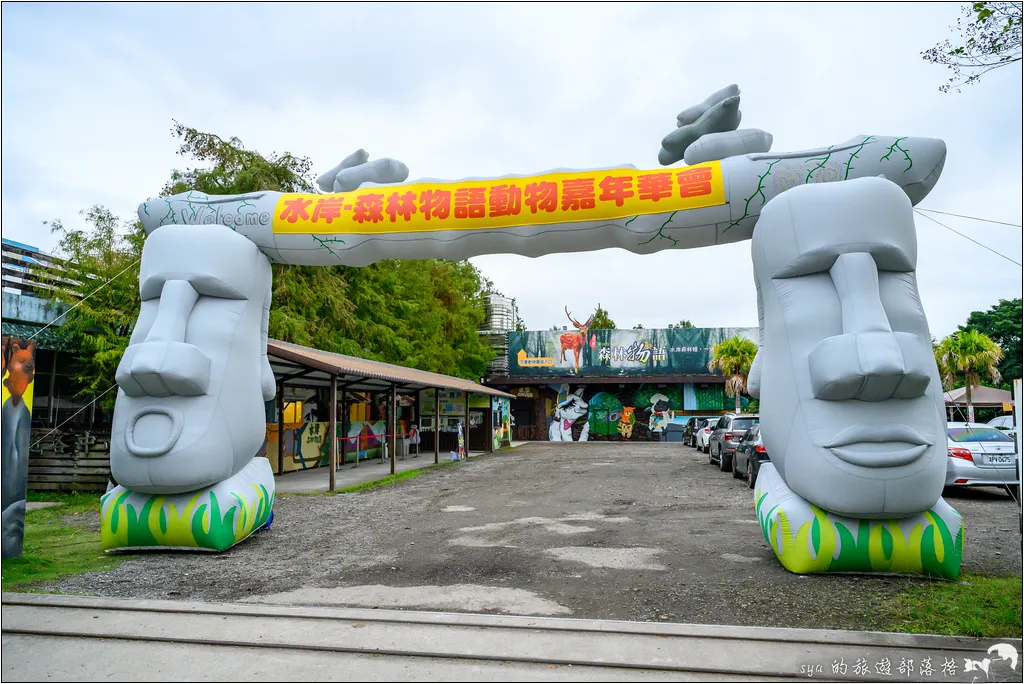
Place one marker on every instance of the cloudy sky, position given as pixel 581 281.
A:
pixel 90 91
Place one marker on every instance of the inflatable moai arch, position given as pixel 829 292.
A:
pixel 849 488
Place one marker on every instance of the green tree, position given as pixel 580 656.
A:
pixel 681 324
pixel 233 169
pixel 1004 324
pixel 601 320
pixel 638 326
pixel 989 38
pixel 102 265
pixel 968 354
pixel 733 358
pixel 422 314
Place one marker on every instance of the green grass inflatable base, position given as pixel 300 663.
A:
pixel 211 519
pixel 807 539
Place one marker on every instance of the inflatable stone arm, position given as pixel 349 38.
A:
pixel 356 170
pixel 716 199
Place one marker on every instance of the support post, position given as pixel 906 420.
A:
pixel 437 425
pixel 418 420
pixel 51 411
pixel 332 433
pixel 466 431
pixel 393 396
pixel 280 427
pixel 344 426
pixel 387 421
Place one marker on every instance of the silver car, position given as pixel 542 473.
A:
pixel 727 436
pixel 980 455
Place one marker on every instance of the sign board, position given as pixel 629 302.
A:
pixel 610 353
pixel 551 198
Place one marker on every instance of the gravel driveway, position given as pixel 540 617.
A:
pixel 614 531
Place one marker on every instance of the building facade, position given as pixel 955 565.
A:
pixel 612 385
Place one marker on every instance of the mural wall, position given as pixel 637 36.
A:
pixel 501 422
pixel 585 352
pixel 19 367
pixel 453 402
pixel 608 412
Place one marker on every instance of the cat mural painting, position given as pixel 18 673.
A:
pixel 16 415
pixel 838 234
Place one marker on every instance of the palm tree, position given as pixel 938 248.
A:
pixel 733 357
pixel 968 354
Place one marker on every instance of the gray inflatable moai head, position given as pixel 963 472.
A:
pixel 852 413
pixel 189 411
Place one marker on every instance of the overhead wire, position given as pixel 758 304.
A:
pixel 999 254
pixel 972 218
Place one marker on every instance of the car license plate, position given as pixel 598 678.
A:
pixel 1000 460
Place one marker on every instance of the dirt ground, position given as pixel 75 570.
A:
pixel 614 531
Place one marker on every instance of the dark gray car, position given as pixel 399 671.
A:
pixel 726 437
pixel 749 456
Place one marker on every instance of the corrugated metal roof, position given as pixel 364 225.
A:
pixel 48 338
pixel 350 367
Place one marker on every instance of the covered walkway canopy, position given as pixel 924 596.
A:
pixel 980 396
pixel 298 366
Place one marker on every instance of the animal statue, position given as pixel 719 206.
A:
pixel 566 414
pixel 574 342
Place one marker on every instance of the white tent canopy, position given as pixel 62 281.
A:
pixel 980 396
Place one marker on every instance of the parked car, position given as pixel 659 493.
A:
pixel 1004 423
pixel 704 432
pixel 750 454
pixel 726 437
pixel 691 427
pixel 980 455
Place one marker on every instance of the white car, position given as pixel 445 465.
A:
pixel 1004 423
pixel 704 434
pixel 980 455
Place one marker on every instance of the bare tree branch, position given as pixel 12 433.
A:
pixel 990 36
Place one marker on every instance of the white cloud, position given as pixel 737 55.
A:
pixel 464 90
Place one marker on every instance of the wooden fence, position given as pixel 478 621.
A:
pixel 69 460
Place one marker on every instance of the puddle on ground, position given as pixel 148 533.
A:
pixel 457 509
pixel 472 598
pixel 637 558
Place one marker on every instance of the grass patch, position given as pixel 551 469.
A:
pixel 398 477
pixel 973 606
pixel 384 481
pixel 54 546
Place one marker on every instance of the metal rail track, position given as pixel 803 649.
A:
pixel 248 633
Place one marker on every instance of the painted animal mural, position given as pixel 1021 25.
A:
pixel 627 421
pixel 19 374
pixel 567 413
pixel 660 413
pixel 575 341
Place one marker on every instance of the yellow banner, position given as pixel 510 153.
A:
pixel 523 360
pixel 503 203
